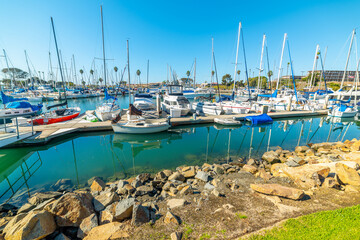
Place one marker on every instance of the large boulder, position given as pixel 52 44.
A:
pixel 113 230
pixel 97 185
pixel 35 225
pixel 271 157
pixel 140 215
pixel 71 209
pixel 104 199
pixel 174 203
pixel 40 197
pixel 189 172
pixel 307 176
pixel 171 218
pixel 145 190
pixel 278 190
pixel 86 225
pixel 347 175
pixel 203 176
pixel 177 176
pixel 124 209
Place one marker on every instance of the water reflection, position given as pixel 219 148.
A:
pixel 78 158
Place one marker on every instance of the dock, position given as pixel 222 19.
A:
pixel 46 133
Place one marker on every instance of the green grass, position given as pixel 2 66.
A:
pixel 240 216
pixel 337 224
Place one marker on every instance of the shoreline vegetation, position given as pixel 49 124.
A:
pixel 234 200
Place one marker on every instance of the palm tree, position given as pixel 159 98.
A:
pixel 82 79
pixel 116 69
pixel 138 72
pixel 92 75
pixel 188 74
pixel 100 80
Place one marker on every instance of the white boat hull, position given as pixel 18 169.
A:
pixel 104 116
pixel 139 129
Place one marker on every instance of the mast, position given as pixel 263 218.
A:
pixel 261 60
pixel 58 56
pixel 195 74
pixel 128 65
pixel 236 59
pixel 76 80
pixel 281 58
pixel 246 71
pixel 322 70
pixel 147 74
pixel 313 69
pixel 292 71
pixel 212 60
pixel 356 83
pixel 51 69
pixel 347 60
pixel 268 65
pixel 27 63
pixel 7 65
pixel 103 44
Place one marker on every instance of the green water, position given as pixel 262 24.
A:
pixel 112 156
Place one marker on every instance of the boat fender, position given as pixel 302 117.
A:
pixel 168 120
pixel 116 119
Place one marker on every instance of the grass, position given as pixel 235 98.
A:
pixel 336 224
pixel 240 216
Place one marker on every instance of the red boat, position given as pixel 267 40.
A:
pixel 56 116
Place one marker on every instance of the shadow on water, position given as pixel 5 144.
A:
pixel 24 171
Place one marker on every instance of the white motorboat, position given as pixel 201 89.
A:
pixel 227 121
pixel 236 106
pixel 107 111
pixel 174 99
pixel 144 102
pixel 140 127
pixel 208 108
pixel 342 111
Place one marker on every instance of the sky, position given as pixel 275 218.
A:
pixel 175 32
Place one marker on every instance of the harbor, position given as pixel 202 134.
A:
pixel 180 121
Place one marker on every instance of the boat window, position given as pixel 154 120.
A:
pixel 346 98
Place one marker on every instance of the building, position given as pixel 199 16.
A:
pixel 336 75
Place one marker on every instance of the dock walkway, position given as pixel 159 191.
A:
pixel 45 133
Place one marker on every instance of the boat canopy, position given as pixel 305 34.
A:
pixel 17 105
pixel 57 105
pixel 6 99
pixel 273 95
pixel 259 119
pixel 341 101
pixel 143 95
pixel 107 96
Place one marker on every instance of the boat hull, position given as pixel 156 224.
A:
pixel 104 116
pixel 47 121
pixel 122 128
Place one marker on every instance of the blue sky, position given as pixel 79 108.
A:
pixel 175 32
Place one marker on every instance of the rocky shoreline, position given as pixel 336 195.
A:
pixel 211 201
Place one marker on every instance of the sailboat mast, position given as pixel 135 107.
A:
pixel 281 58
pixel 261 60
pixel 147 74
pixel 268 65
pixel 236 59
pixel 27 63
pixel 347 60
pixel 246 71
pixel 322 70
pixel 103 44
pixel 7 65
pixel 128 65
pixel 212 60
pixel 356 83
pixel 51 69
pixel 58 56
pixel 292 71
pixel 313 69
pixel 76 80
pixel 195 73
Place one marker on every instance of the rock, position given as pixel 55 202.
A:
pixel 329 182
pixel 203 176
pixel 35 225
pixel 136 183
pixel 215 192
pixel 71 209
pixel 219 169
pixel 271 157
pixel 173 191
pixel 124 209
pixel 304 175
pixel 114 230
pixel 189 173
pixel 301 149
pixel 145 190
pixel 42 205
pixel 61 236
pixel 86 225
pixel 177 176
pixel 40 197
pixel 324 145
pixel 355 146
pixel 292 163
pixel 176 235
pixel 7 207
pixel 209 186
pixel 185 190
pixel 278 190
pixel 171 218
pixel 25 208
pixel 352 189
pixel 122 184
pixel 107 215
pixel 97 185
pixel 263 174
pixel 347 175
pixel 277 170
pixel 167 186
pixel 249 168
pixel 143 177
pixel 174 203
pixel 140 215
pixel 160 176
pixel 104 199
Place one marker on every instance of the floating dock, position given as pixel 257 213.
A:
pixel 45 133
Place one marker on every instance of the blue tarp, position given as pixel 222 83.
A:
pixel 274 95
pixel 6 99
pixel 341 101
pixel 143 95
pixel 35 108
pixel 260 119
pixel 107 96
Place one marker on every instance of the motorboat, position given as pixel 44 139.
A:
pixel 174 99
pixel 144 102
pixel 109 109
pixel 227 121
pixel 342 111
pixel 207 107
pixel 56 116
pixel 140 127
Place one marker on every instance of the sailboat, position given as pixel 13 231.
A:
pixel 58 115
pixel 18 107
pixel 108 110
pixel 136 125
